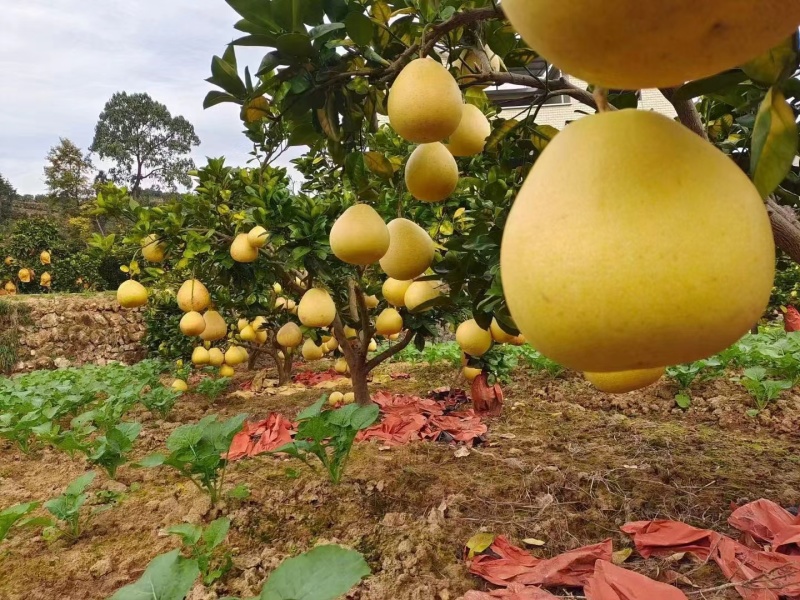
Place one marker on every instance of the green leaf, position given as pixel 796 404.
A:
pixel 295 44
pixel 215 533
pixel 336 10
pixel 324 573
pixel 683 401
pixel 360 28
pixel 325 29
pixel 154 460
pixel 79 485
pixel 500 133
pixel 303 134
pixel 379 164
pixel 313 410
pixel 168 577
pixel 259 39
pixel 774 65
pixel 702 87
pixel 364 416
pixel 189 534
pixel 11 515
pixel 774 143
pixel 224 75
pixel 215 97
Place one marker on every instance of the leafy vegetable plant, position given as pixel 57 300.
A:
pixel 762 389
pixel 328 435
pixel 11 516
pixel 212 388
pixel 203 545
pixel 66 509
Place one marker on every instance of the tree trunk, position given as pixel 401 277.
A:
pixel 358 374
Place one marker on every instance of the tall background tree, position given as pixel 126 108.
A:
pixel 145 142
pixel 7 195
pixel 68 174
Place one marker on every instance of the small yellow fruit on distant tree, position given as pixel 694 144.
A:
pixel 332 344
pixel 350 333
pixel 499 335
pixel 180 385
pixel 226 371
pixel 258 237
pixel 469 64
pixel 45 280
pixel 193 295
pixel 676 258
pixel 470 373
pixel 395 291
pixel 192 323
pixel 311 351
pixel 340 366
pixel 247 334
pixel 44 257
pixel 431 173
pixel 280 303
pixel 261 337
pixel 216 327
pixel 470 137
pixel 200 356
pixel 359 236
pixel 473 339
pixel 420 292
pixel 11 289
pixel 242 251
pixel 373 345
pixel 8 261
pixel 425 102
pixel 625 381
pixel 290 335
pixel 25 275
pixel 316 308
pixel 255 110
pixel 277 288
pixel 241 324
pixel 258 323
pixel 153 250
pixel 216 357
pixel 131 294
pixel 410 253
pixel 291 305
pixel 371 301
pixel 389 322
pixel 233 356
pixel 349 398
pixel 335 398
pixel 394 337
pixel 244 355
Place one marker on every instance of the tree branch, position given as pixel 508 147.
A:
pixel 687 112
pixel 553 88
pixel 391 351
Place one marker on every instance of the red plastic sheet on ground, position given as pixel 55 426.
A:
pixel 763 574
pixel 258 438
pixel 504 564
pixel 610 582
pixel 515 591
pixel 791 320
pixel 410 418
pixel 312 378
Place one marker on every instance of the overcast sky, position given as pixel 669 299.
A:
pixel 61 60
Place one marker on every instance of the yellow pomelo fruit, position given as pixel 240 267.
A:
pixel 131 294
pixel 193 295
pixel 233 356
pixel 44 257
pixel 500 336
pixel 326 338
pixel 180 385
pixel 192 323
pixel 10 288
pixel 630 44
pixel 244 356
pixel 470 137
pixel 349 398
pixel 216 327
pixel 242 251
pixel 420 292
pixel 394 337
pixel 316 308
pixel 469 63
pixel 389 322
pixel 431 173
pixel 200 356
pixel 258 323
pixel 280 303
pixel 425 102
pixel 261 337
pixel 395 291
pixel 248 334
pixel 518 340
pixel 371 301
pixel 373 345
pixel 277 288
pixel 226 371
pixel 216 357
pixel 255 110
pixel 311 351
pixel 258 237
pixel 340 366
pixel 332 344
pixel 335 398
pixel 659 251
pixel 350 333
pixel 410 253
pixel 152 249
pixel 470 373
pixel 46 279
pixel 25 275
pixel 473 339
pixel 242 323
pixel 290 336
pixel 290 305
pixel 625 381
pixel 359 236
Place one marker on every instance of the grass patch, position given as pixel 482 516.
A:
pixel 12 315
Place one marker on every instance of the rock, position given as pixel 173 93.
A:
pixel 115 486
pixel 100 568
pixel 62 363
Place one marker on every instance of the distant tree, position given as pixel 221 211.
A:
pixel 7 196
pixel 145 142
pixel 68 173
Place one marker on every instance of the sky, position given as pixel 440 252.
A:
pixel 61 60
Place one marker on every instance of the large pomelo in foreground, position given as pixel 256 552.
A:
pixel 410 253
pixel 131 294
pixel 359 236
pixel 634 44
pixel 425 102
pixel 193 296
pixel 656 251
pixel 625 381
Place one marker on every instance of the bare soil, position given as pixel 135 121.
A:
pixel 563 464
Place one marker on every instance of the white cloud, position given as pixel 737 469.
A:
pixel 61 60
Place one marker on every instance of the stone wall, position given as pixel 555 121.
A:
pixel 76 329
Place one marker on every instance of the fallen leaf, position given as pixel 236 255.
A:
pixel 462 452
pixel 620 556
pixel 677 557
pixel 241 395
pixel 478 543
pixel 507 436
pixel 533 542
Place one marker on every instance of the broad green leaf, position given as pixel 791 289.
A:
pixel 260 39
pixel 379 164
pixel 774 143
pixel 500 133
pixel 303 134
pixel 321 30
pixel 324 573
pixel 295 44
pixel 702 87
pixel 335 10
pixel 774 65
pixel 215 97
pixel 11 515
pixel 543 135
pixel 215 533
pixel 360 28
pixel 364 416
pixel 189 533
pixel 154 460
pixel 313 410
pixel 79 485
pixel 168 577
pixel 224 75
pixel 684 401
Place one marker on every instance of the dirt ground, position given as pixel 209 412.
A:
pixel 564 464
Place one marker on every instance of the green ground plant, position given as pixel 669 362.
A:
pixel 203 545
pixel 763 389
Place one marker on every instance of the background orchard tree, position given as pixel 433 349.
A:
pixel 68 174
pixel 145 142
pixel 7 195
